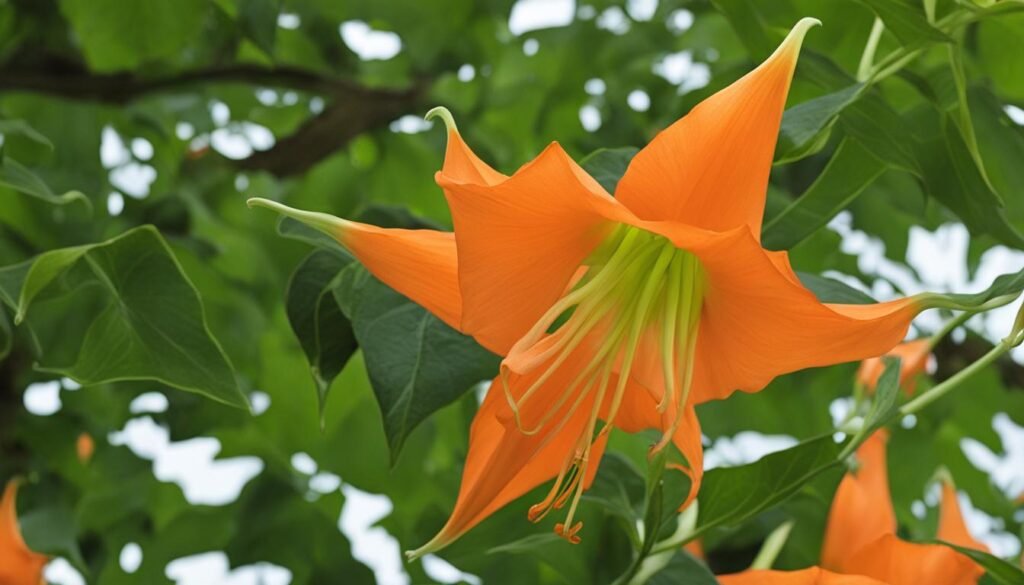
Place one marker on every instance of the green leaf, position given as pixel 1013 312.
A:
pixel 1000 44
pixel 731 495
pixel 1011 283
pixel 951 176
pixel 619 489
pixel 16 176
pixel 882 131
pixel 963 119
pixel 323 331
pixel 884 405
pixel 258 21
pixel 683 568
pixel 906 19
pixel 851 170
pixel 122 34
pixel 806 126
pixel 607 165
pixel 830 290
pixel 152 325
pixel 22 128
pixel 6 334
pixel 1001 571
pixel 417 364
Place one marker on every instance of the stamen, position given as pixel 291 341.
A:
pixel 637 283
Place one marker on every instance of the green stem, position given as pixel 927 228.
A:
pixel 940 390
pixel 772 547
pixel 867 58
pixel 949 327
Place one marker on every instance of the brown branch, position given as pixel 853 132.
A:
pixel 953 357
pixel 352 108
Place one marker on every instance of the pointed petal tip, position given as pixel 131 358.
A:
pixel 796 35
pixel 324 222
pixel 445 115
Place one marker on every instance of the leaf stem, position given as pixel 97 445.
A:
pixel 772 546
pixel 867 58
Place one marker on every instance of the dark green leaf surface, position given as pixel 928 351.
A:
pixel 607 165
pixel 322 329
pixel 907 21
pixel 1001 571
pixel 152 327
pixel 416 363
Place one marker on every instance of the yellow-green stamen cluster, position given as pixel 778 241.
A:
pixel 636 284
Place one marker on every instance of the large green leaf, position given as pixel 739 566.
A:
pixel 417 364
pixel 850 171
pixel 829 290
pixel 323 331
pixel 151 326
pixel 120 34
pixel 1000 44
pixel 16 176
pixel 806 126
pixel 906 19
pixel 731 495
pixel 953 178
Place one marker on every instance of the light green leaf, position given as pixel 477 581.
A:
pixel 22 128
pixel 850 171
pixel 1000 45
pixel 122 34
pixel 16 176
pixel 884 405
pixel 152 327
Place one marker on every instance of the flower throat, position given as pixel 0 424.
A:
pixel 638 288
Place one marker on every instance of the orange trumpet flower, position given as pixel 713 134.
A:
pixel 811 576
pixel 861 535
pixel 861 546
pixel 18 564
pixel 616 312
pixel 913 362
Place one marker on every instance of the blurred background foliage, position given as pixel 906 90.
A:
pixel 117 114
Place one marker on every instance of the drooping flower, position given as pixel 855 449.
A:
pixel 616 312
pixel 811 576
pixel 861 535
pixel 913 356
pixel 19 565
pixel 861 546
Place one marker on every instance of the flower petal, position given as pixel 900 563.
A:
pixel 420 264
pixel 503 463
pixel 460 162
pixel 521 242
pixel 861 510
pixel 18 564
pixel 758 323
pixel 952 527
pixel 710 168
pixel 897 562
pixel 811 576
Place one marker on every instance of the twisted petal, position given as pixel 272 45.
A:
pixel 861 511
pixel 710 169
pixel 897 562
pixel 18 564
pixel 811 576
